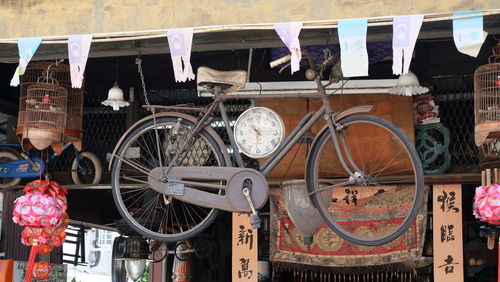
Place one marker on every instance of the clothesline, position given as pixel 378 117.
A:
pixel 160 33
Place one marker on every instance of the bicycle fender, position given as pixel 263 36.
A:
pixel 352 111
pixel 209 129
pixel 13 148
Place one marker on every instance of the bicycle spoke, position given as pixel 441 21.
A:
pixel 158 216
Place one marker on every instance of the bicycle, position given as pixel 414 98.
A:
pixel 15 164
pixel 172 173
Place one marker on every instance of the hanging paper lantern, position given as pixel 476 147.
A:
pixel 487 203
pixel 42 210
pixel 43 204
pixel 48 236
pixel 42 270
pixel 36 209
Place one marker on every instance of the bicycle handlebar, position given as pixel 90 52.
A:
pixel 306 53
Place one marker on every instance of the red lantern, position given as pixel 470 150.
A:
pixel 42 270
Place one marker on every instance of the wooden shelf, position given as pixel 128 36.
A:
pixel 430 179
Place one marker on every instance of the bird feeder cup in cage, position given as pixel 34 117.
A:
pixel 42 113
pixel 487 110
pixel 74 116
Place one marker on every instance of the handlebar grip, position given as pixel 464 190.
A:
pixel 280 61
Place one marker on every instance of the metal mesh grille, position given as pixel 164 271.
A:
pixel 103 127
pixel 455 97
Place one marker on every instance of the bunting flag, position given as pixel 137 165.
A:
pixel 289 34
pixel 27 48
pixel 179 42
pixel 78 52
pixel 404 37
pixel 468 33
pixel 353 54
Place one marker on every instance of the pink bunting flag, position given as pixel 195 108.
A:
pixel 78 53
pixel 404 37
pixel 179 42
pixel 289 34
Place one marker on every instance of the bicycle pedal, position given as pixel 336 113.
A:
pixel 255 221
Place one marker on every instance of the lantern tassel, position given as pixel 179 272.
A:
pixel 31 263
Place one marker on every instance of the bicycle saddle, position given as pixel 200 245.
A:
pixel 228 81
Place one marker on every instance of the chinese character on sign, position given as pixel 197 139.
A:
pixel 447 233
pixel 244 272
pixel 447 202
pixel 448 266
pixel 351 195
pixel 245 237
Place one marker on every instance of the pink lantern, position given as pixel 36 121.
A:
pixel 37 209
pixel 487 203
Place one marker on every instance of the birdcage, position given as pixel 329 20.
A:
pixel 487 108
pixel 61 73
pixel 43 114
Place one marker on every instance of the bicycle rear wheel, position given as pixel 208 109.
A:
pixel 152 214
pixel 382 202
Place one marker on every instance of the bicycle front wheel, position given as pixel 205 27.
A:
pixel 152 214
pixel 380 199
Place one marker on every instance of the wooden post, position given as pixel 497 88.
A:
pixel 447 235
pixel 245 246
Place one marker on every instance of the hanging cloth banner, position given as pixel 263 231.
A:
pixel 404 37
pixel 289 34
pixel 27 48
pixel 179 42
pixel 78 53
pixel 468 33
pixel 353 54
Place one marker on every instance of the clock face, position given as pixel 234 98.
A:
pixel 258 132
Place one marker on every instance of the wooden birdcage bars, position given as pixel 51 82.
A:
pixel 487 109
pixel 73 124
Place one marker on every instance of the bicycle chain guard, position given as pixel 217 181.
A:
pixel 212 187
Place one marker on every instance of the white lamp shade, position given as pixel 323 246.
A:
pixel 115 98
pixel 408 85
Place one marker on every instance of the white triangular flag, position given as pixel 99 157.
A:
pixel 27 48
pixel 404 37
pixel 78 53
pixel 179 42
pixel 289 34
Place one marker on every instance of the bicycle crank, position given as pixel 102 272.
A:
pixel 212 187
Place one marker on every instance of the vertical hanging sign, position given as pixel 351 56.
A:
pixel 447 233
pixel 405 33
pixel 245 245
pixel 179 42
pixel 289 34
pixel 353 53
pixel 468 33
pixel 78 53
